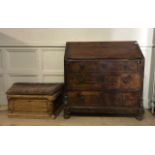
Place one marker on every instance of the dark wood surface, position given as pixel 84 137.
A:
pixel 99 98
pixel 103 50
pixel 102 66
pixel 103 78
pixel 107 81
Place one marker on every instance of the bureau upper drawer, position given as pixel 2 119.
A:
pixel 102 66
pixel 108 81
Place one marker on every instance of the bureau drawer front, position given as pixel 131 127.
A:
pixel 92 81
pixel 103 66
pixel 87 98
pixel 25 105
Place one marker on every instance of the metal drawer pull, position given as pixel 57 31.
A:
pixel 126 79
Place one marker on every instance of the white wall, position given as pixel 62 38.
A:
pixel 60 36
pixel 152 74
pixel 36 55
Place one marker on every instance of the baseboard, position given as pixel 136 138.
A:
pixel 146 103
pixel 3 107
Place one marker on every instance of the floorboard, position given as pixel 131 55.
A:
pixel 149 120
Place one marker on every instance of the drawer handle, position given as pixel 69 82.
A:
pixel 126 79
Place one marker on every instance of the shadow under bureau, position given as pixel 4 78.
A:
pixel 103 78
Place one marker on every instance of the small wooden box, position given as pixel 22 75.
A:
pixel 34 100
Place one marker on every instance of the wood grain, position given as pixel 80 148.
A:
pixel 33 105
pixel 103 78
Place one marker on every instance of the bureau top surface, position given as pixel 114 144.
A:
pixel 103 50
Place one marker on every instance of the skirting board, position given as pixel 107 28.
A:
pixel 3 107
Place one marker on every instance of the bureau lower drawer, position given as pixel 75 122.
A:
pixel 102 66
pixel 95 98
pixel 108 81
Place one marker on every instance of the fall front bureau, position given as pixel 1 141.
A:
pixel 103 78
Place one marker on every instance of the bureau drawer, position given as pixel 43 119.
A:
pixel 103 66
pixel 88 98
pixel 108 81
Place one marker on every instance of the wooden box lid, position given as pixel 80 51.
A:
pixel 103 50
pixel 34 89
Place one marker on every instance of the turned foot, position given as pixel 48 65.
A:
pixel 140 115
pixel 66 114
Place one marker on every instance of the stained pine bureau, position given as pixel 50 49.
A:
pixel 103 78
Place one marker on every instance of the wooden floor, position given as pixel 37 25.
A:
pixel 149 120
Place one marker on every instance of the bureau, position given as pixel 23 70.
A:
pixel 103 78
